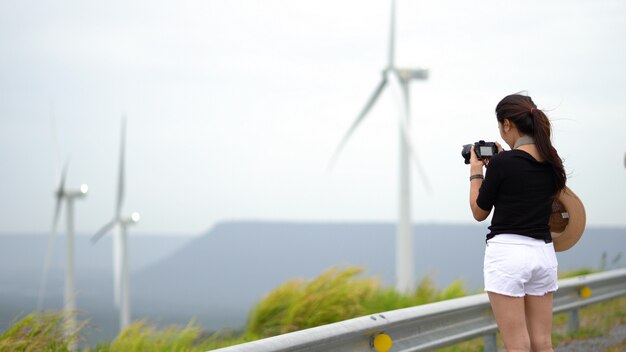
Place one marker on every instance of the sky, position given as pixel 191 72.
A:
pixel 234 108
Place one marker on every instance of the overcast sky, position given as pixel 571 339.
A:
pixel 235 107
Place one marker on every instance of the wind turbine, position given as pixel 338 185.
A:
pixel 61 193
pixel 405 277
pixel 69 196
pixel 121 284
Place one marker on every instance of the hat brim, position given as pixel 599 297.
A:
pixel 577 219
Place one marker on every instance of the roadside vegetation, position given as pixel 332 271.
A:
pixel 335 295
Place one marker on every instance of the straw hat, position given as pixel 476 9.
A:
pixel 567 221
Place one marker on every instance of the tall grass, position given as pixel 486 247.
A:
pixel 143 336
pixel 45 331
pixel 296 305
pixel 335 295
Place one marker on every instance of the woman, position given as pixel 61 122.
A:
pixel 520 264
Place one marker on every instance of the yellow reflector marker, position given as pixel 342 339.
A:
pixel 585 292
pixel 382 342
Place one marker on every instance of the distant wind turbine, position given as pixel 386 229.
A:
pixel 70 291
pixel 69 196
pixel 121 284
pixel 405 277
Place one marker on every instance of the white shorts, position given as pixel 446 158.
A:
pixel 518 266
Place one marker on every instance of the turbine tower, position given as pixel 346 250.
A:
pixel 121 285
pixel 405 274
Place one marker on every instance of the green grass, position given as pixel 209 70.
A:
pixel 620 347
pixel 40 332
pixel 595 321
pixel 143 336
pixel 335 295
pixel 578 272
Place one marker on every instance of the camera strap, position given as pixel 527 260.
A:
pixel 523 140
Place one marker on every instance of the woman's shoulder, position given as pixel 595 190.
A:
pixel 502 156
pixel 513 154
pixel 507 157
pixel 515 158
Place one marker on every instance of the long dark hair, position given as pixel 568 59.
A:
pixel 522 111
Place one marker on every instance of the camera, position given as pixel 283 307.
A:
pixel 483 150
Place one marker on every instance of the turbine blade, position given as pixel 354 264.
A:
pixel 120 178
pixel 55 140
pixel 359 119
pixel 125 283
pixel 60 193
pixel 117 266
pixel 414 156
pixel 392 34
pixel 420 170
pixel 103 231
pixel 57 211
pixel 46 269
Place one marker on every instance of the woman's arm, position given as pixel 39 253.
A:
pixel 476 168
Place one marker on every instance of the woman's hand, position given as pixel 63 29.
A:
pixel 476 165
pixel 476 168
pixel 500 149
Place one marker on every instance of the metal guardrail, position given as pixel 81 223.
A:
pixel 429 326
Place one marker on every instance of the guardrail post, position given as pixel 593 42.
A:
pixel 573 323
pixel 491 343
